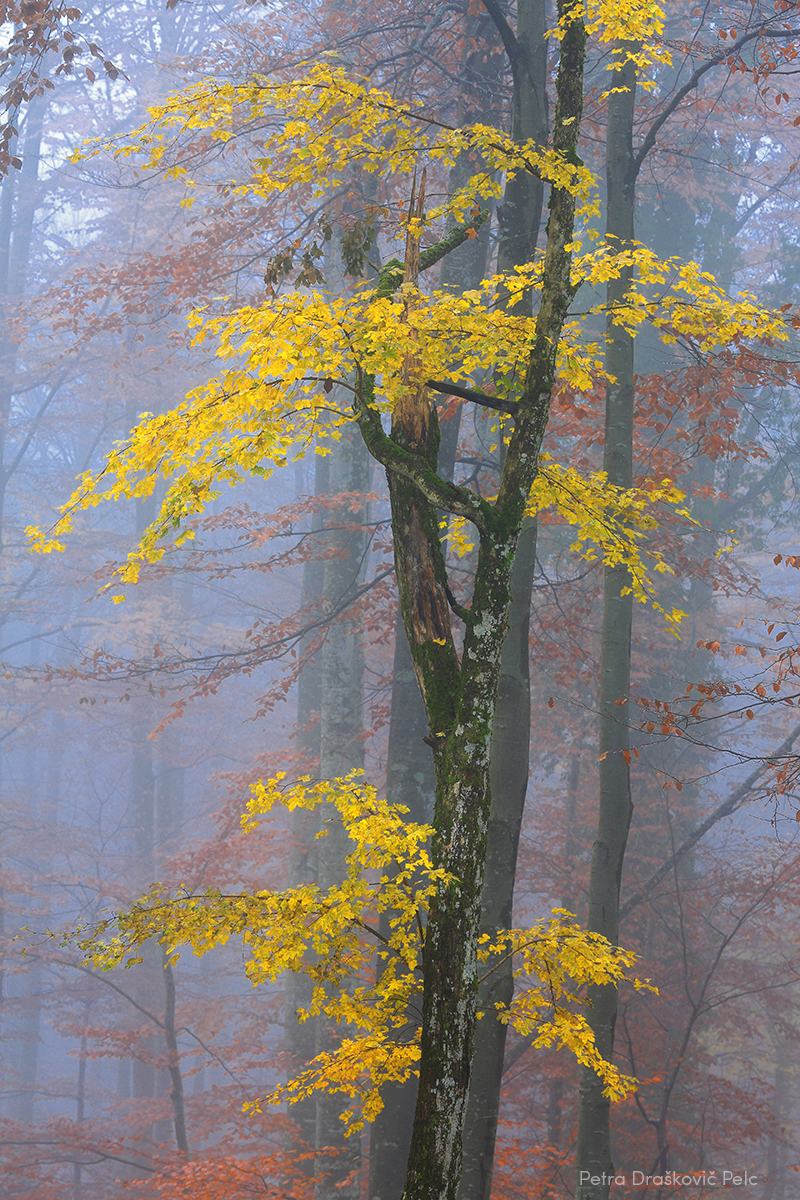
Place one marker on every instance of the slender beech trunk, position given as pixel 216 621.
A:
pixel 341 750
pixel 460 695
pixel 18 206
pixel 520 214
pixel 520 218
pixel 508 773
pixel 300 1036
pixel 19 197
pixel 80 1101
pixel 555 1120
pixel 594 1159
pixel 410 781
pixel 146 983
pixel 173 1059
pixel 139 1080
pixel 28 1039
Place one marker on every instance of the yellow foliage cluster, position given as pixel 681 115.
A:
pixel 614 525
pixel 632 29
pixel 332 123
pixel 679 299
pixel 273 400
pixel 332 936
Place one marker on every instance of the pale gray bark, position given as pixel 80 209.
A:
pixel 146 984
pixel 341 750
pixel 173 1059
pixel 80 1101
pixel 19 197
pixel 510 752
pixel 300 1036
pixel 520 214
pixel 778 1145
pixel 410 781
pixel 170 777
pixel 615 808
pixel 27 1035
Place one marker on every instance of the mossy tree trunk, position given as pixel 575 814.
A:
pixel 410 778
pixel 520 219
pixel 409 781
pixel 460 693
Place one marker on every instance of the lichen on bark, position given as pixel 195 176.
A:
pixel 460 693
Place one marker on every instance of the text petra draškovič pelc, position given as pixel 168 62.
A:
pixel 693 1179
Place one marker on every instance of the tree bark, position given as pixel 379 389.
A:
pixel 615 808
pixel 409 771
pixel 173 1059
pixel 341 750
pixel 19 196
pixel 520 214
pixel 508 773
pixel 520 218
pixel 460 695
pixel 410 781
pixel 300 1037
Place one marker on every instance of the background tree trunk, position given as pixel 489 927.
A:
pixel 300 1037
pixel 520 218
pixel 410 781
pixel 341 750
pixel 614 806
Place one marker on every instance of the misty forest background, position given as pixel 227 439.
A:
pixel 130 733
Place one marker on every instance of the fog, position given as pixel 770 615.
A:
pixel 138 712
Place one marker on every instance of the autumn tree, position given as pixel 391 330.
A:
pixel 460 696
pixel 386 345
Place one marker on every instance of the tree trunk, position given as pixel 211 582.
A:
pixel 341 750
pixel 80 1101
pixel 594 1159
pixel 19 196
pixel 410 781
pixel 460 696
pixel 173 1059
pixel 521 215
pixel 146 982
pixel 300 1037
pixel 410 774
pixel 510 753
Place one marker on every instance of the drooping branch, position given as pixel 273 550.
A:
pixel 35 34
pixel 507 35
